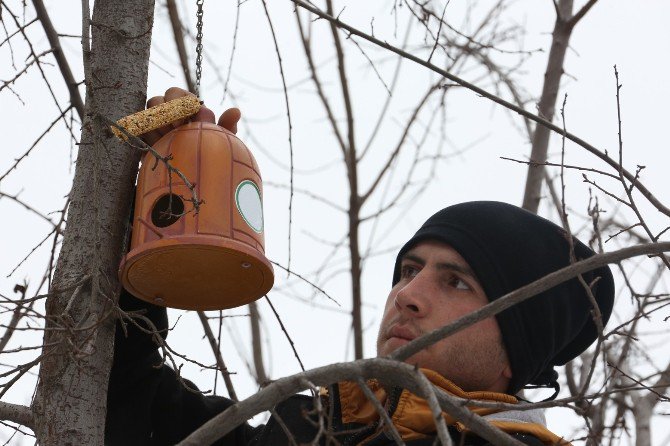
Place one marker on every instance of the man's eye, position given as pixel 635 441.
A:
pixel 459 283
pixel 408 271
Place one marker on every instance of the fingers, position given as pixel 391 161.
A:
pixel 204 115
pixel 156 100
pixel 170 94
pixel 230 118
pixel 174 93
pixel 152 137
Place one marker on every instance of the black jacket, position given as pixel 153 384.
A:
pixel 148 405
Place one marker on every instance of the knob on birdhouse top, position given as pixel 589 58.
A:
pixel 207 260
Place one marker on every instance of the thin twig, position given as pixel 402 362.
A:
pixel 216 350
pixel 312 284
pixel 318 84
pixel 283 328
pixel 39 66
pixel 34 144
pixel 566 166
pixel 17 314
pixel 290 128
pixel 16 198
pixel 32 251
pixel 232 51
pixel 390 427
pixel 24 70
pixel 138 144
pixel 627 189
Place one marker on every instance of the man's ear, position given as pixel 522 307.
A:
pixel 507 372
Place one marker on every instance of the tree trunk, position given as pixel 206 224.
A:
pixel 70 401
pixel 552 82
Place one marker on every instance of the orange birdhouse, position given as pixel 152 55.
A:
pixel 209 260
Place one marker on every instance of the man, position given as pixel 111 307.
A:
pixel 463 257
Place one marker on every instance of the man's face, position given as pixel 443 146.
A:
pixel 436 287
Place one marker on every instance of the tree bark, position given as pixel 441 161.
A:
pixel 546 107
pixel 70 401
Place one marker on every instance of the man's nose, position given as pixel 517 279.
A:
pixel 412 298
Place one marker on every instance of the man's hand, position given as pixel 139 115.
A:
pixel 228 119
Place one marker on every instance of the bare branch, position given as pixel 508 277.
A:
pixel 18 31
pixel 216 350
pixel 34 144
pixel 16 414
pixel 389 426
pixel 32 251
pixel 16 198
pixel 232 50
pixel 24 70
pixel 387 371
pixel 61 60
pixel 627 189
pixel 35 56
pixel 387 101
pixel 581 13
pixel 178 34
pixel 257 344
pixel 288 337
pixel 552 82
pixel 317 83
pixel 385 168
pixel 290 128
pixel 590 148
pixel 312 284
pixel 565 166
pixel 16 316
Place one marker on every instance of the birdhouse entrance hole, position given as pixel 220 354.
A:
pixel 167 210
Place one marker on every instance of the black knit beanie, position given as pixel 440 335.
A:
pixel 507 248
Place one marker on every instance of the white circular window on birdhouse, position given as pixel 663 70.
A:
pixel 249 204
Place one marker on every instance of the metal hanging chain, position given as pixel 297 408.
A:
pixel 198 47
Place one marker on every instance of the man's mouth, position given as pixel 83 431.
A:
pixel 401 332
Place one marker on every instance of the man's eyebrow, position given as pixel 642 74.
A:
pixel 463 269
pixel 451 266
pixel 413 258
